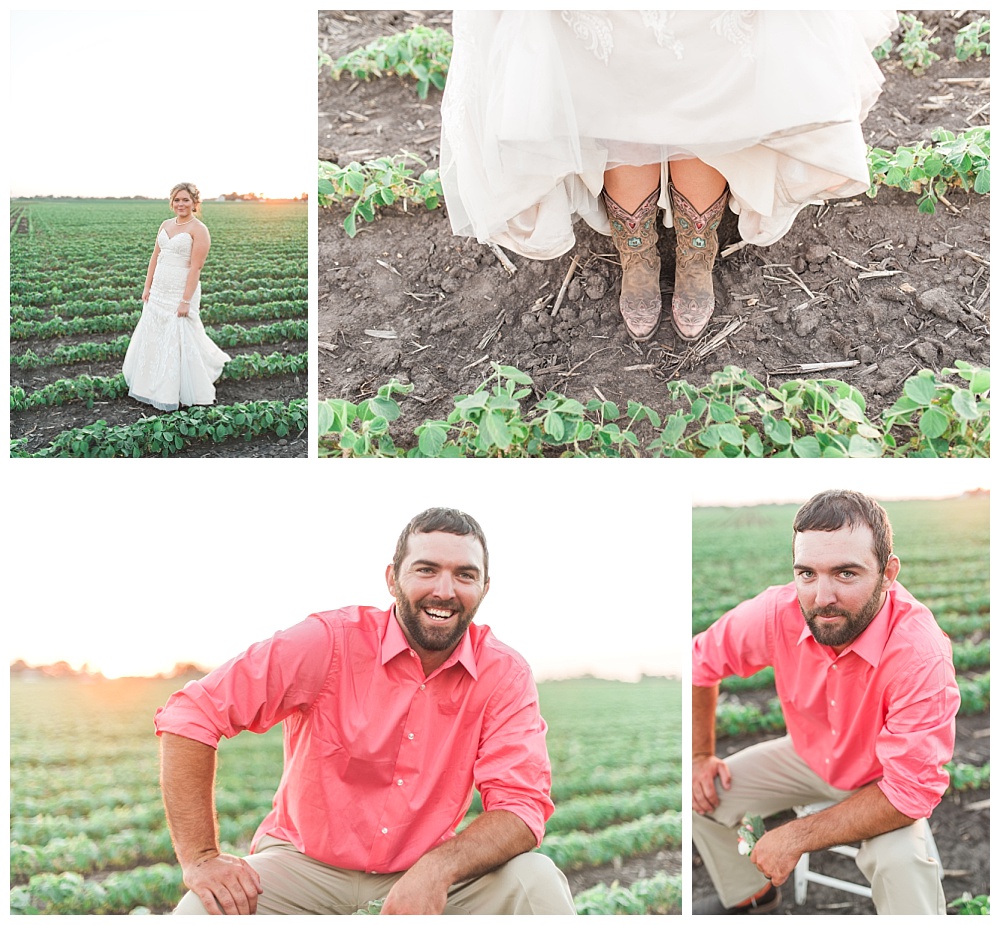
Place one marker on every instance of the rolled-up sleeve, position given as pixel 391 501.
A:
pixel 255 690
pixel 740 642
pixel 918 738
pixel 512 768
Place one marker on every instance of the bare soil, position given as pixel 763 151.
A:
pixel 43 424
pixel 802 300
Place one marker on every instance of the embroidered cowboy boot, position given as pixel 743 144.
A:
pixel 635 240
pixel 697 246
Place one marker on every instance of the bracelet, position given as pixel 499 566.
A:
pixel 185 301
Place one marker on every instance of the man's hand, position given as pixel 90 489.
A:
pixel 416 893
pixel 704 770
pixel 776 853
pixel 226 885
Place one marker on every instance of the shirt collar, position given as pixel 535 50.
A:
pixel 394 642
pixel 870 644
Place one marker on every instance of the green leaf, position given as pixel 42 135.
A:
pixel 982 184
pixel 806 447
pixel 676 425
pixel 432 440
pixel 921 389
pixel 494 431
pixel 933 423
pixel 720 411
pixel 849 409
pixel 964 403
pixel 553 425
pixel 860 448
pixel 731 434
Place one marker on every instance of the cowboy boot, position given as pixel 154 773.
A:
pixel 697 246
pixel 635 240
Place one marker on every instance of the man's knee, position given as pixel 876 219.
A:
pixel 528 884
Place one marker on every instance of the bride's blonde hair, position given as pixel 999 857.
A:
pixel 190 188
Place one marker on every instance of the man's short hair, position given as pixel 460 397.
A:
pixel 831 510
pixel 441 520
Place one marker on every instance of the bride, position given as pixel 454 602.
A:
pixel 170 359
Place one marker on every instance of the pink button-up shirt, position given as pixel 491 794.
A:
pixel 884 708
pixel 380 760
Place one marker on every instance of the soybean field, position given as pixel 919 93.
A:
pixel 88 833
pixel 943 546
pixel 76 279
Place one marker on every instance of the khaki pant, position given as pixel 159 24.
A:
pixel 295 884
pixel 771 777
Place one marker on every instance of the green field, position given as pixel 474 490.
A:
pixel 87 827
pixel 944 547
pixel 945 554
pixel 77 272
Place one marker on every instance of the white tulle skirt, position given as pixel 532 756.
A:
pixel 539 104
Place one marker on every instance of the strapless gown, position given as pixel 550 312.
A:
pixel 171 361
pixel 539 104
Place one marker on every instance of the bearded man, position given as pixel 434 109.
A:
pixel 390 718
pixel 867 686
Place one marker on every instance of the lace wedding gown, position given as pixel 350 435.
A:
pixel 539 104
pixel 171 361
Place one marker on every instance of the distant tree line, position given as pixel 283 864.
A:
pixel 21 668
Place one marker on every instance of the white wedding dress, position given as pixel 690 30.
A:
pixel 539 104
pixel 171 361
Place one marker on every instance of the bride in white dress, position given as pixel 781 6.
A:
pixel 612 116
pixel 171 361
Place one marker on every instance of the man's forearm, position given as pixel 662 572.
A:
pixel 491 839
pixel 703 703
pixel 864 814
pixel 187 778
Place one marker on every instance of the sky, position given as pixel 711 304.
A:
pixel 121 103
pixel 133 567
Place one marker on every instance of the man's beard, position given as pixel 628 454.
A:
pixel 852 627
pixel 431 638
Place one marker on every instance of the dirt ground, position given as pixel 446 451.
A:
pixel 800 301
pixel 960 824
pixel 42 425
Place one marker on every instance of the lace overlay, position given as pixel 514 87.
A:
pixel 593 30
pixel 539 104
pixel 171 361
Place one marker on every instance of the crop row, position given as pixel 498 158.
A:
pixel 160 886
pixel 169 433
pixel 575 850
pixel 88 389
pixel 659 895
pixel 118 894
pixel 30 322
pixel 228 335
pixel 121 849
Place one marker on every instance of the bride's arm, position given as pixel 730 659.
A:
pixel 151 270
pixel 202 241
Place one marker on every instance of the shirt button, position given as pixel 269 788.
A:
pixel 399 783
pixel 410 736
pixel 422 686
pixel 833 703
pixel 385 831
